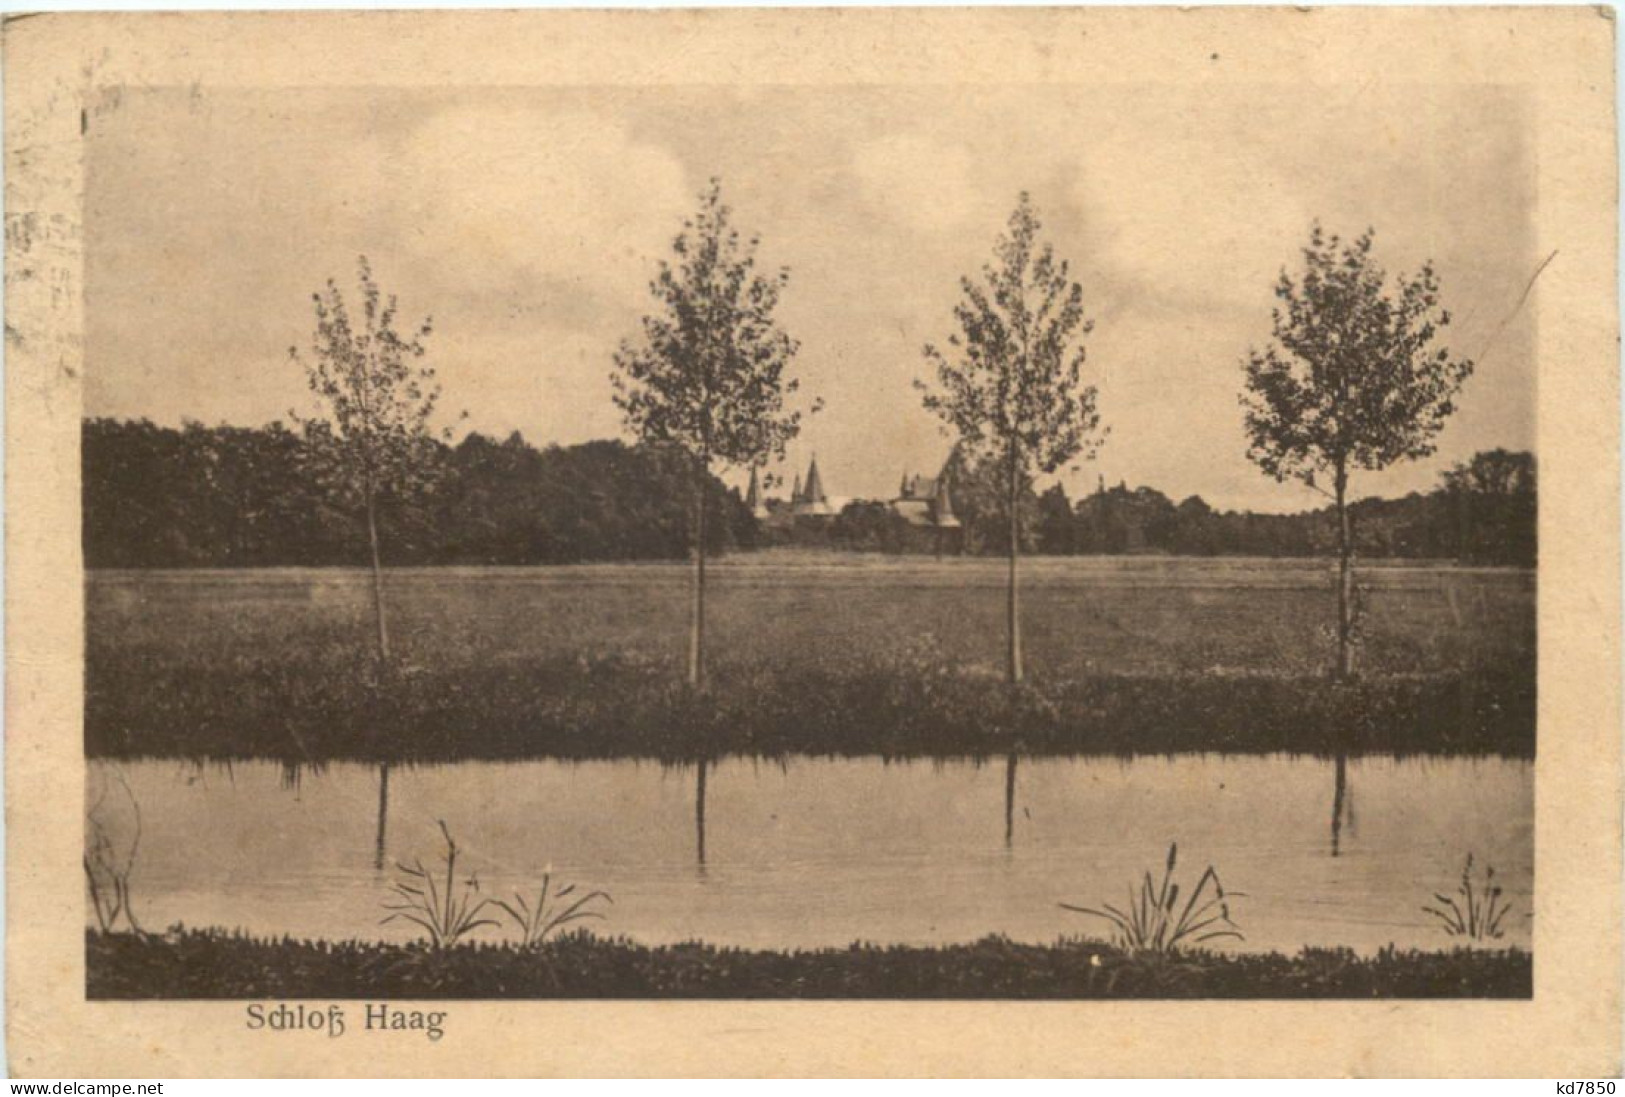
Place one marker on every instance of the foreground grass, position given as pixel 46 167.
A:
pixel 213 964
pixel 309 710
pixel 851 659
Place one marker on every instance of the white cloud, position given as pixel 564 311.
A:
pixel 1200 215
pixel 493 189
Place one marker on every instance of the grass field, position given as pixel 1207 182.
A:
pixel 842 654
pixel 211 964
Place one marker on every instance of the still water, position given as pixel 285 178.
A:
pixel 817 852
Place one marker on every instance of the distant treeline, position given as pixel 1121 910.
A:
pixel 249 497
pixel 1483 512
pixel 243 497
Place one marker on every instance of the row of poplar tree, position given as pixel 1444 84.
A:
pixel 1354 379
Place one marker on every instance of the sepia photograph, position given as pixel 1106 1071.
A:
pixel 1014 539
pixel 693 569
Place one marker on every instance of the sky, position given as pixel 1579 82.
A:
pixel 528 222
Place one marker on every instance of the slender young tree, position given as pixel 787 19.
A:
pixel 1009 382
pixel 707 377
pixel 1351 380
pixel 374 440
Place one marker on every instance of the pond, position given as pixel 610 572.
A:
pixel 820 851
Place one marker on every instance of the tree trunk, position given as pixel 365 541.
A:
pixel 1009 801
pixel 234 535
pixel 383 816
pixel 1340 779
pixel 1013 672
pixel 377 580
pixel 696 638
pixel 1345 581
pixel 699 812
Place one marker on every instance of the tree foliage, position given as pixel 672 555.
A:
pixel 1352 378
pixel 1010 381
pixel 151 499
pixel 1496 473
pixel 867 525
pixel 709 373
pixel 981 495
pixel 1492 498
pixel 376 396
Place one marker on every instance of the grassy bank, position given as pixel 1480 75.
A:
pixel 211 964
pixel 851 659
pixel 315 710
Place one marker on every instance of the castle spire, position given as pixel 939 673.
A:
pixel 815 485
pixel 753 496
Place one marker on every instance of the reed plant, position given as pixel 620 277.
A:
pixel 1478 914
pixel 552 911
pixel 448 910
pixel 107 875
pixel 1155 923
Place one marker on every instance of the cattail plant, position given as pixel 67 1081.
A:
pixel 1478 915
pixel 1156 923
pixel 446 909
pixel 551 912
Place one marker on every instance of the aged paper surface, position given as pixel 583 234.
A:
pixel 72 79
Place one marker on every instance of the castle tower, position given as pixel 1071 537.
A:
pixel 753 497
pixel 943 504
pixel 814 491
pixel 795 492
pixel 809 498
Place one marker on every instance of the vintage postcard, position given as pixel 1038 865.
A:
pixel 951 542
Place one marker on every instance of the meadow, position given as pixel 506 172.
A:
pixel 807 653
